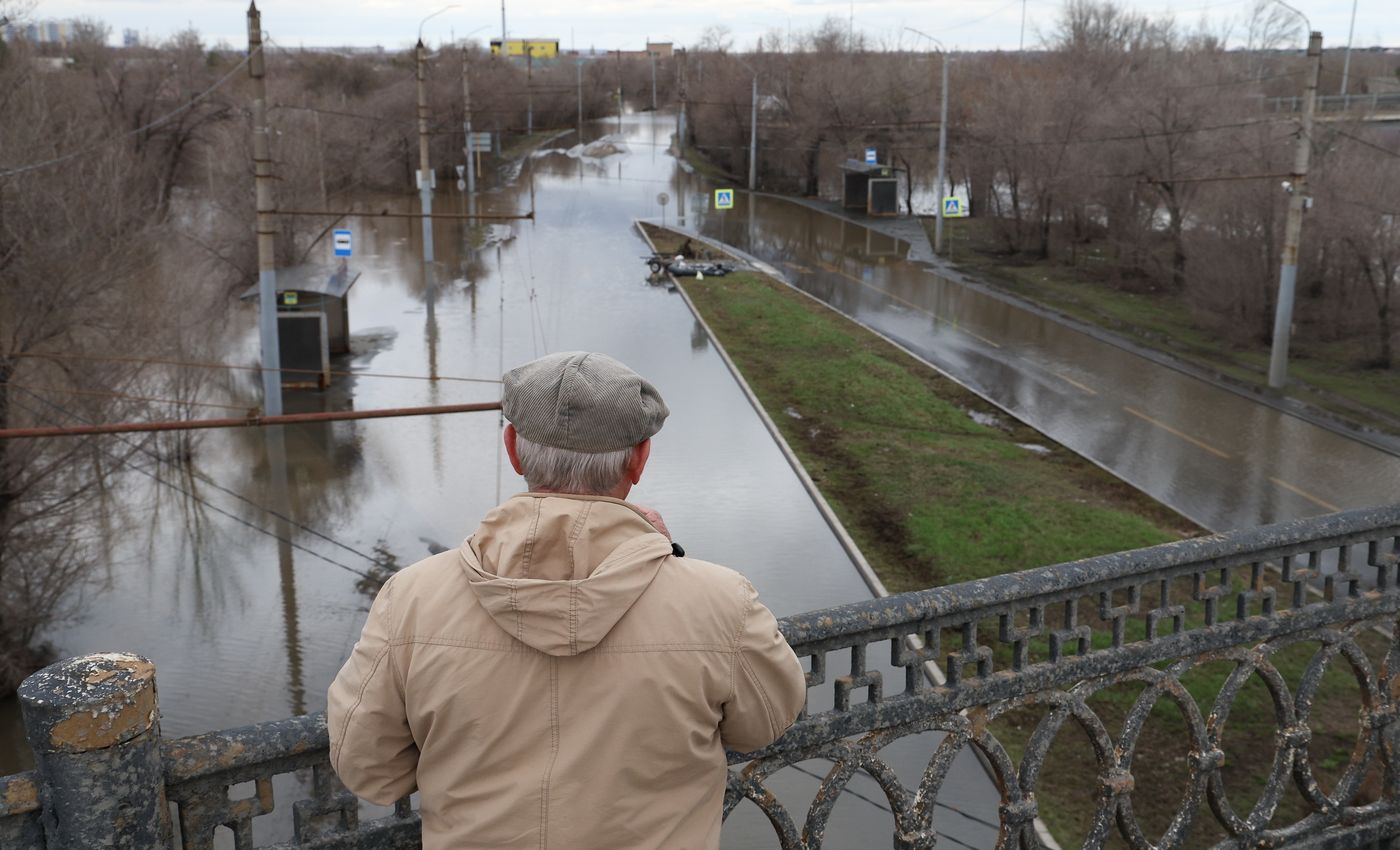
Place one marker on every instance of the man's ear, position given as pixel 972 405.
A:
pixel 510 450
pixel 637 461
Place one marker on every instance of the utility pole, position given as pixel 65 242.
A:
pixel 467 133
pixel 503 27
pixel 753 136
pixel 266 223
pixel 529 90
pixel 1346 63
pixel 425 179
pixel 321 161
pixel 680 116
pixel 1298 201
pixel 653 77
pixel 619 89
pixel 942 160
pixel 578 73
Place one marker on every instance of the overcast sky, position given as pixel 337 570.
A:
pixel 963 24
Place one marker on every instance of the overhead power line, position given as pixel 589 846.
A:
pixel 215 508
pixel 255 421
pixel 1372 145
pixel 158 361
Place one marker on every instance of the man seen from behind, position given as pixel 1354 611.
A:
pixel 566 678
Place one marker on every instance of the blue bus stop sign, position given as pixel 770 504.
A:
pixel 342 243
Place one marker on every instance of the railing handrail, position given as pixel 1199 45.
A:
pixel 1047 657
pixel 1082 576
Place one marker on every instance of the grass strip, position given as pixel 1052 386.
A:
pixel 936 486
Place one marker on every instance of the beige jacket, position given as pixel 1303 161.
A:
pixel 561 681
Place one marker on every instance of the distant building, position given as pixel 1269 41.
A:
pixel 131 38
pixel 537 48
pixel 41 32
pixel 658 49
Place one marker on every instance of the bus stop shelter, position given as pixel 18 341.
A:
pixel 313 321
pixel 871 188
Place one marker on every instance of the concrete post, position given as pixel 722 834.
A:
pixel 1293 227
pixel 94 725
pixel 753 136
pixel 266 223
pixel 467 132
pixel 942 160
pixel 425 179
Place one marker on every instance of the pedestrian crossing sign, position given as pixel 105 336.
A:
pixel 953 208
pixel 724 199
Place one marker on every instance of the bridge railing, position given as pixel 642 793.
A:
pixel 1047 640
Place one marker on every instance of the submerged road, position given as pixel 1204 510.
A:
pixel 244 627
pixel 1218 458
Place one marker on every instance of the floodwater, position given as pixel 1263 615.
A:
pixel 1221 460
pixel 244 626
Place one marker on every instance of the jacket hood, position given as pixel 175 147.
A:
pixel 557 572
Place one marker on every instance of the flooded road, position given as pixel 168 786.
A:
pixel 248 616
pixel 1220 459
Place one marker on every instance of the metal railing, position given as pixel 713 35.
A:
pixel 1047 640
pixel 1363 103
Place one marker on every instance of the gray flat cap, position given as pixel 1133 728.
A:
pixel 581 401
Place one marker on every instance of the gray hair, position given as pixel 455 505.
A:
pixel 568 471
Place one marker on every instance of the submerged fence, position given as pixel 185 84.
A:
pixel 1040 644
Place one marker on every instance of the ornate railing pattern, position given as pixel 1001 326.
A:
pixel 1048 639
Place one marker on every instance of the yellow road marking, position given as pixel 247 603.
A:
pixel 1170 430
pixel 1305 494
pixel 910 304
pixel 1067 379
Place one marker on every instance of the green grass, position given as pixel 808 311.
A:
pixel 933 497
pixel 1330 376
pixel 930 495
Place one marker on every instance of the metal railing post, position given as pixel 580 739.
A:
pixel 94 725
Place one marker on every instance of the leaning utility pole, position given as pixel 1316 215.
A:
pixel 753 136
pixel 1298 201
pixel 467 133
pixel 425 179
pixel 266 222
pixel 942 160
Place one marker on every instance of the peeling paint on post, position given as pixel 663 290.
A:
pixel 94 725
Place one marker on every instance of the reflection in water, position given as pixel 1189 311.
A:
pixel 699 340
pixel 276 449
pixel 244 627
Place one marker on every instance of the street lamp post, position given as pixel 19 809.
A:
pixel 425 174
pixel 942 147
pixel 1298 201
pixel 753 125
